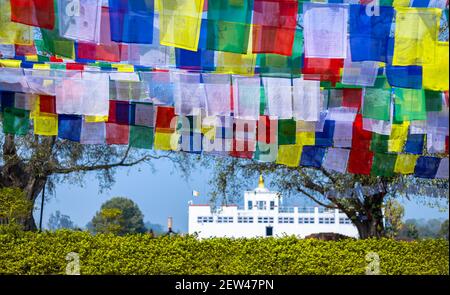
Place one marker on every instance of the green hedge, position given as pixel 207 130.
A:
pixel 44 253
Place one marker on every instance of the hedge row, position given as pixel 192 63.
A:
pixel 45 253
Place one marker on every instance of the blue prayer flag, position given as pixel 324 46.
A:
pixel 312 156
pixel 69 127
pixel 405 76
pixel 369 34
pixel 414 144
pixel 426 167
pixel 325 138
pixel 131 21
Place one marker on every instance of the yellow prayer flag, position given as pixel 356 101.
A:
pixel 397 139
pixel 305 138
pixel 10 32
pixel 289 155
pixel 405 163
pixel 41 67
pixel 10 63
pixel 95 119
pixel 401 3
pixel 435 76
pixel 166 141
pixel 416 36
pixel 180 23
pixel 46 124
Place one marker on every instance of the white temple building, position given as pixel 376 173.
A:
pixel 264 215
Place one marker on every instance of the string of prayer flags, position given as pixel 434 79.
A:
pixel 274 26
pixel 180 23
pixel 229 23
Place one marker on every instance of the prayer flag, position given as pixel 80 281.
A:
pixel 229 24
pixel 131 21
pixel 416 36
pixel 37 13
pixel 180 23
pixel 426 167
pixel 274 25
pixel 325 30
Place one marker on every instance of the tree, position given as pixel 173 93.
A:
pixel 360 197
pixel 412 231
pixel 119 216
pixel 443 232
pixel 59 221
pixel 394 212
pixel 14 206
pixel 30 162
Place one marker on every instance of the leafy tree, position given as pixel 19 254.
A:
pixel 30 162
pixel 118 216
pixel 14 206
pixel 59 221
pixel 360 197
pixel 443 232
pixel 412 231
pixel 393 213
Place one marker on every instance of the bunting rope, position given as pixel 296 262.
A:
pixel 350 86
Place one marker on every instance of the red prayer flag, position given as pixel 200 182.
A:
pixel 360 162
pixel 117 134
pixel 274 25
pixel 352 97
pixel 361 138
pixel 322 69
pixel 47 104
pixel 37 13
pixel 164 117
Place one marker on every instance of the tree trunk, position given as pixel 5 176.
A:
pixel 30 177
pixel 370 222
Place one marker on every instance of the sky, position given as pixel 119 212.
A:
pixel 160 194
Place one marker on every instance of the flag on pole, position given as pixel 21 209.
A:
pixel 195 194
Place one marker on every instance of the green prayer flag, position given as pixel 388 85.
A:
pixel 383 164
pixel 379 143
pixel 16 121
pixel 409 105
pixel 286 131
pixel 141 137
pixel 377 104
pixel 433 101
pixel 229 25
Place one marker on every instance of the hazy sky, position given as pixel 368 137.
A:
pixel 159 195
